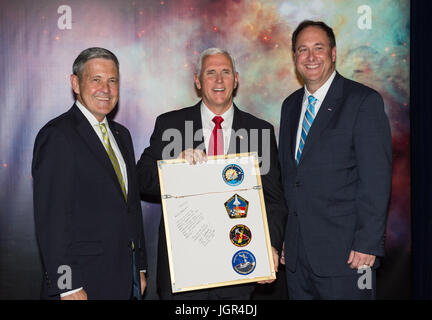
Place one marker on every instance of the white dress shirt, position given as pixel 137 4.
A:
pixel 95 125
pixel 319 95
pixel 208 125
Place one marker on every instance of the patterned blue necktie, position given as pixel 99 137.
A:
pixel 307 123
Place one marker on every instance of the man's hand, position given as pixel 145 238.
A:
pixel 193 156
pixel 282 258
pixel 79 295
pixel 276 265
pixel 143 282
pixel 359 260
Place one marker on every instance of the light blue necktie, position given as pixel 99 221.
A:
pixel 307 123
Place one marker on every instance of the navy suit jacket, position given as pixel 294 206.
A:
pixel 243 125
pixel 338 194
pixel 82 219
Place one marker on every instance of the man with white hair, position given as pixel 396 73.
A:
pixel 218 128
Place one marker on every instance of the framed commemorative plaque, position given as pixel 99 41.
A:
pixel 215 222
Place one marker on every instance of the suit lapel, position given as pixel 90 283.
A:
pixel 294 118
pixel 93 142
pixel 236 125
pixel 196 134
pixel 325 113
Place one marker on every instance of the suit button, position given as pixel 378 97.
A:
pixel 297 184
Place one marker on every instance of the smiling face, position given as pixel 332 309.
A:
pixel 314 58
pixel 217 82
pixel 98 88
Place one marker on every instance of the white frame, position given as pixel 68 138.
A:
pixel 197 231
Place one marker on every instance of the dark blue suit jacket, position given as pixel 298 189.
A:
pixel 338 194
pixel 82 219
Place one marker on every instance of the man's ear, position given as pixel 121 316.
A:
pixel 236 78
pixel 334 54
pixel 197 82
pixel 75 83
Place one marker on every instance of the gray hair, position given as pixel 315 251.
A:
pixel 92 53
pixel 210 52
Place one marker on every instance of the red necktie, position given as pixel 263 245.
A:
pixel 216 145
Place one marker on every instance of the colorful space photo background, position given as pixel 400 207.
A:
pixel 157 43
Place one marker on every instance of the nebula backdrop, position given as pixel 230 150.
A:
pixel 157 43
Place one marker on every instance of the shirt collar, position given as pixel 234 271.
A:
pixel 322 91
pixel 89 116
pixel 208 115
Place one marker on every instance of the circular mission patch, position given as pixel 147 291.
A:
pixel 240 235
pixel 233 174
pixel 243 262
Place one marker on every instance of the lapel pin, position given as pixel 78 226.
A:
pixel 330 108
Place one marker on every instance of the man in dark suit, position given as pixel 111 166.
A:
pixel 86 200
pixel 335 155
pixel 211 127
